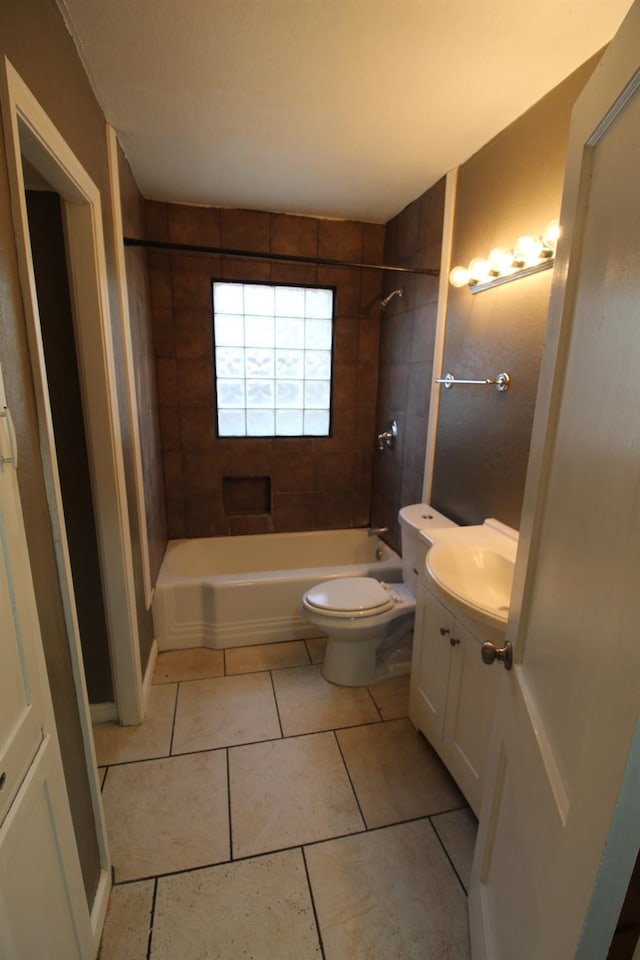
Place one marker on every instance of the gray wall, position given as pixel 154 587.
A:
pixel 35 40
pixel 513 186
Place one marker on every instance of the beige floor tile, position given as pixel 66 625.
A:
pixel 126 930
pixel 194 664
pixel 458 830
pixel 316 647
pixel 308 703
pixel 289 792
pixel 266 656
pixel 115 744
pixel 225 711
pixel 255 910
pixel 396 774
pixel 392 697
pixel 102 772
pixel 388 894
pixel 167 815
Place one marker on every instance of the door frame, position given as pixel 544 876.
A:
pixel 448 220
pixel 617 70
pixel 129 362
pixel 29 132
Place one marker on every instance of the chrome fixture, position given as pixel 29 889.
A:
pixel 490 653
pixel 388 438
pixel 384 303
pixel 530 255
pixel 276 257
pixel 377 531
pixel 502 382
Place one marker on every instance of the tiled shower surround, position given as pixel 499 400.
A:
pixel 412 238
pixel 314 483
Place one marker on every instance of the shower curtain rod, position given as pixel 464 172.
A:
pixel 288 258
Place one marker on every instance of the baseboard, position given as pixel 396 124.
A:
pixel 103 712
pixel 100 906
pixel 148 676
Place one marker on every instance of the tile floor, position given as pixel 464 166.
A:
pixel 261 812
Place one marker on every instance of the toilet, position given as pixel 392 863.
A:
pixel 369 624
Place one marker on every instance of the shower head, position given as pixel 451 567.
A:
pixel 384 303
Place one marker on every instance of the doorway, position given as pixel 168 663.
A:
pixel 46 231
pixel 32 140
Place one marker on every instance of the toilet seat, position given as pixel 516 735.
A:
pixel 350 597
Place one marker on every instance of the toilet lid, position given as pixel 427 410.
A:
pixel 351 595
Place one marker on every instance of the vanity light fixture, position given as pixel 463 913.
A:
pixel 529 255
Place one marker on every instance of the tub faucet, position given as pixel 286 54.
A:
pixel 377 531
pixel 387 438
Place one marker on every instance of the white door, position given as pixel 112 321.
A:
pixel 43 908
pixel 567 711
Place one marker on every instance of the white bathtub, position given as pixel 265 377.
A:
pixel 235 591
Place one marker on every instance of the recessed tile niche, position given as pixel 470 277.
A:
pixel 246 495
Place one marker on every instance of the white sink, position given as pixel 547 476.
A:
pixel 474 565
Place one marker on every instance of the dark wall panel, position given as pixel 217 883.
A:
pixel 512 187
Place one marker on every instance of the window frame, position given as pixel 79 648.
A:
pixel 273 285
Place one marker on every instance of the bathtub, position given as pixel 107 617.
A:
pixel 236 591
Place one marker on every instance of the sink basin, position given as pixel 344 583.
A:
pixel 474 566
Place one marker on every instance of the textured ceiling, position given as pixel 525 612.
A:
pixel 338 108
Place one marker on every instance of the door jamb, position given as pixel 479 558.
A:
pixel 29 132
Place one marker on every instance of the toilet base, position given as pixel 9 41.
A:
pixel 359 662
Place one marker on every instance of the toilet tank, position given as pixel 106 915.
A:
pixel 413 519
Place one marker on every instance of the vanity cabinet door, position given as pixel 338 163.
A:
pixel 469 718
pixel 430 667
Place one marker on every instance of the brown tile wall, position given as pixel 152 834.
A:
pixel 412 238
pixel 315 484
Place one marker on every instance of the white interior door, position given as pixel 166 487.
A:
pixel 568 710
pixel 43 908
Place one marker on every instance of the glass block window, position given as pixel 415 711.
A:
pixel 273 349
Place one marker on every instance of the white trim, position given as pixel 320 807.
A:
pixel 51 157
pixel 29 131
pixel 100 907
pixel 148 674
pixel 106 712
pixel 441 330
pixel 98 387
pixel 129 366
pixel 186 634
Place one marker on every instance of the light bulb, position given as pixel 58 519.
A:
pixel 528 250
pixel 500 262
pixel 479 269
pixel 551 233
pixel 459 277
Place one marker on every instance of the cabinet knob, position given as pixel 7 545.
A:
pixel 444 631
pixel 454 641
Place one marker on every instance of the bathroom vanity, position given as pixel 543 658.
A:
pixel 453 693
